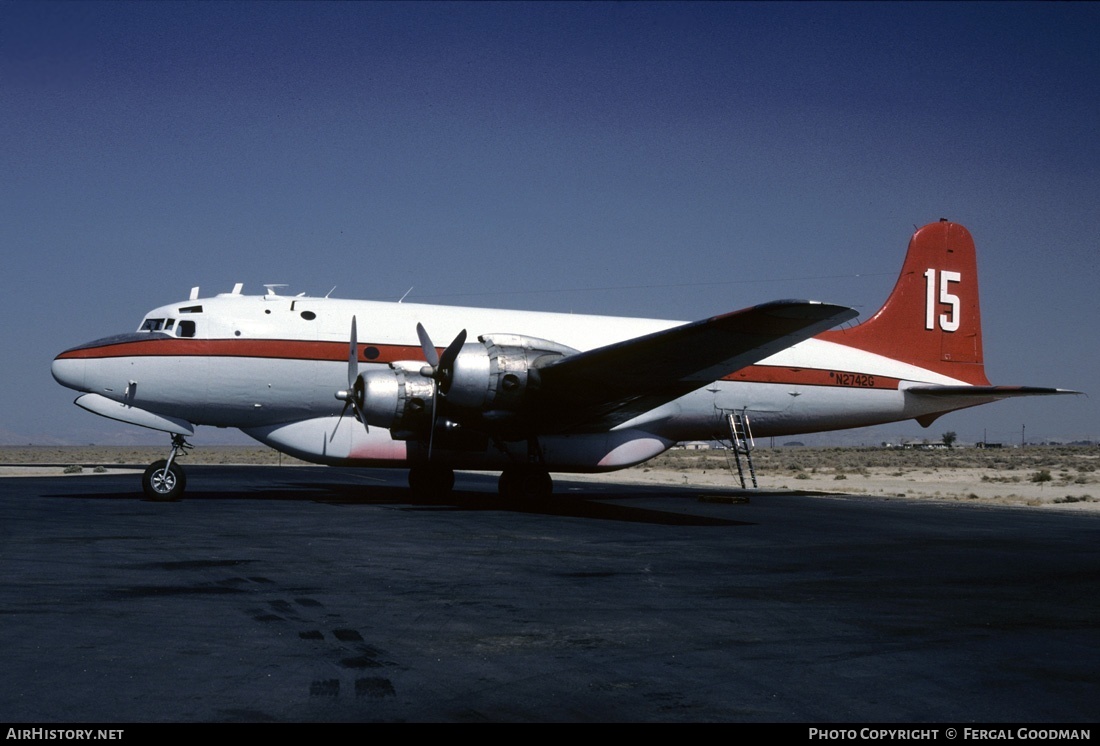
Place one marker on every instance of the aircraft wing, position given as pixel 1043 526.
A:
pixel 599 389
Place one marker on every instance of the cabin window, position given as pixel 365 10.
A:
pixel 309 315
pixel 185 329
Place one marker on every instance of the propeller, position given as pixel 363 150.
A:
pixel 440 368
pixel 352 396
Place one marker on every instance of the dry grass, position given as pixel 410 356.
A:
pixel 1059 460
pixel 138 455
pixel 1036 475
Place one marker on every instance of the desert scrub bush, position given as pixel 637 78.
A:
pixel 1041 476
pixel 73 469
pixel 1073 499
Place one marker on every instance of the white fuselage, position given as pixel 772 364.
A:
pixel 271 365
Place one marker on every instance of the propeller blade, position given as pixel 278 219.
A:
pixel 349 397
pixel 431 430
pixel 339 419
pixel 426 345
pixel 447 361
pixel 439 370
pixel 358 396
pixel 353 357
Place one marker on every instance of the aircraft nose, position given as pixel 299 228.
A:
pixel 69 371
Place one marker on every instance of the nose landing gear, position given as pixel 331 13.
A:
pixel 165 480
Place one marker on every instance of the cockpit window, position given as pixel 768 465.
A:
pixel 185 328
pixel 168 324
pixel 152 325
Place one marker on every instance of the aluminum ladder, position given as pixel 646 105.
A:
pixel 742 444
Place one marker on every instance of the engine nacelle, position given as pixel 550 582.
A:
pixel 494 374
pixel 485 385
pixel 398 399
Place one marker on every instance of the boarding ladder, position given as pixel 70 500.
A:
pixel 741 443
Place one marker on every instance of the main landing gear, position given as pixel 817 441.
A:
pixel 516 482
pixel 164 480
pixel 528 482
pixel 431 481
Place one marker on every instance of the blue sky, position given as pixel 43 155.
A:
pixel 667 160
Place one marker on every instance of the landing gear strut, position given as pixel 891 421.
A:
pixel 165 480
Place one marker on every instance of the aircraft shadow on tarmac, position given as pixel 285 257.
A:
pixel 602 507
pixel 571 500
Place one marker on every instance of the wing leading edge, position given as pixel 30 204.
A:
pixel 605 387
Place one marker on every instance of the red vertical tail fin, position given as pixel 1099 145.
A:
pixel 931 318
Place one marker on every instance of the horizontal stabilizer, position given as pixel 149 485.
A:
pixel 960 397
pixel 986 393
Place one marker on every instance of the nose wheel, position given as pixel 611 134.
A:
pixel 165 480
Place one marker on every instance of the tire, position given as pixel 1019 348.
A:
pixel 431 481
pixel 163 485
pixel 525 483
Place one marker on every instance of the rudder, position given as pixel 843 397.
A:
pixel 931 318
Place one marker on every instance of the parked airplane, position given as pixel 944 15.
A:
pixel 536 392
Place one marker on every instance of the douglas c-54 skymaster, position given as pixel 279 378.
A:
pixel 361 383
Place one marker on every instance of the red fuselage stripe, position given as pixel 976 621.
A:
pixel 283 349
pixel 811 377
pixel 288 349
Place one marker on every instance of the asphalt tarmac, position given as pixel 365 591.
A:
pixel 311 594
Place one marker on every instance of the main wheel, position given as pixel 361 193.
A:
pixel 431 481
pixel 525 483
pixel 161 482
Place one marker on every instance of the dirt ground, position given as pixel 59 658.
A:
pixel 1063 477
